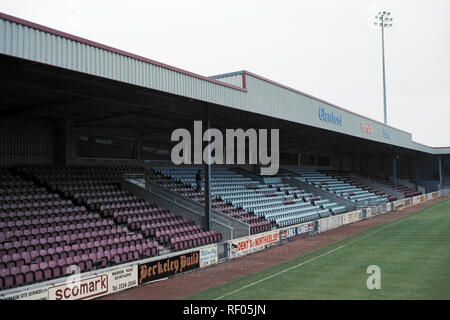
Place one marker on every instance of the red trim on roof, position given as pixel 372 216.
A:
pixel 114 50
pixel 244 80
pixel 166 66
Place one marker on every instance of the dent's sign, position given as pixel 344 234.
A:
pixel 253 244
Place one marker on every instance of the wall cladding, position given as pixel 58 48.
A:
pixel 26 142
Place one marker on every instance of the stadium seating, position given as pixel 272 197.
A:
pixel 407 192
pixel 348 178
pixel 279 204
pixel 56 217
pixel 186 188
pixel 343 187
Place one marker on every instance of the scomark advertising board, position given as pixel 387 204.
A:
pixel 159 269
pixel 82 287
pixel 95 286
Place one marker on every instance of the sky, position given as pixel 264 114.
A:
pixel 326 48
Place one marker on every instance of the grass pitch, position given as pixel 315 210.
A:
pixel 413 254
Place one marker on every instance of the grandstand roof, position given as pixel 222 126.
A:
pixel 120 74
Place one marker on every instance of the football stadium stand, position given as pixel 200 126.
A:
pixel 187 187
pixel 81 123
pixel 342 186
pixel 55 217
pixel 350 179
pixel 280 204
pixel 407 192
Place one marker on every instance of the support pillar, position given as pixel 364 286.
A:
pixel 207 184
pixel 137 149
pixel 66 140
pixel 394 171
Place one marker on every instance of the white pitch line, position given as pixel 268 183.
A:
pixel 281 272
pixel 303 263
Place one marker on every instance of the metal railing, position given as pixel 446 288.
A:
pixel 192 206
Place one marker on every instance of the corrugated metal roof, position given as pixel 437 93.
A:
pixel 242 90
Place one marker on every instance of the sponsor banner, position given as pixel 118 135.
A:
pixel 330 223
pixel 351 217
pixel 208 256
pixel 241 247
pixel 87 287
pixel 362 215
pixel 434 195
pixel 422 198
pixel 122 279
pixel 80 289
pixel 407 202
pixel 398 204
pixel 159 269
pixel 300 231
pixel 285 234
pixel 376 210
pixel 33 294
pixel 335 119
pixel 95 286
pixel 389 206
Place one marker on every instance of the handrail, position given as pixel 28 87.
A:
pixel 179 199
pixel 379 186
pixel 300 184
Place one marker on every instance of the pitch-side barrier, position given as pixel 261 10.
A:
pixel 93 284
